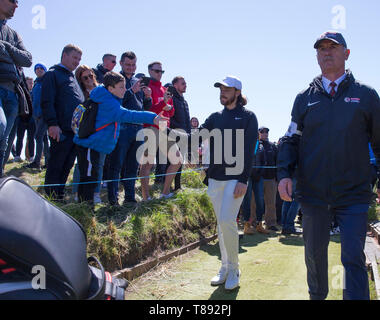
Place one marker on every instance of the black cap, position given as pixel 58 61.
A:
pixel 263 128
pixel 332 36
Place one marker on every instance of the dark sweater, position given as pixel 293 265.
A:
pixel 181 117
pixel 60 95
pixel 12 54
pixel 100 72
pixel 238 118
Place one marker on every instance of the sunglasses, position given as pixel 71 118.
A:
pixel 113 61
pixel 85 78
pixel 158 71
pixel 13 1
pixel 264 131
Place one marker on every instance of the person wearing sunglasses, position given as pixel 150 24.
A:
pixel 109 63
pixel 161 102
pixel 12 54
pixel 87 79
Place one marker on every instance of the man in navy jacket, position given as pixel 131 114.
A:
pixel 181 118
pixel 122 161
pixel 60 95
pixel 327 147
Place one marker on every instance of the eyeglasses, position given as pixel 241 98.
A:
pixel 85 78
pixel 158 71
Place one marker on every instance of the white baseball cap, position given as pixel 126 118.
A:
pixel 230 82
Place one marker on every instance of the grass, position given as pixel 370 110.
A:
pixel 124 236
pixel 266 273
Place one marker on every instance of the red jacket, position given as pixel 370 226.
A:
pixel 158 102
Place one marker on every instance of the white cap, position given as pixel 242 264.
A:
pixel 230 82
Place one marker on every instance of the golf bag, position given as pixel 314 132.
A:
pixel 43 251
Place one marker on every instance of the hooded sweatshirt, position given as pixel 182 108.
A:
pixel 110 112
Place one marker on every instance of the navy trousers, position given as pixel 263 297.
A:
pixel 352 222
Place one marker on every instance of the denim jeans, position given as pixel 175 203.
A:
pixel 102 159
pixel 89 167
pixel 257 187
pixel 41 140
pixel 76 174
pixel 8 114
pixel 289 212
pixel 123 163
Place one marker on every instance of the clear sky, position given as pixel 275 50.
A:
pixel 267 44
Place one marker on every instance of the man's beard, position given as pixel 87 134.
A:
pixel 228 101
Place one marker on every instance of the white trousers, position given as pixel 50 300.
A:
pixel 226 208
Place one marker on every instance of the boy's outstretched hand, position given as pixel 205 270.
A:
pixel 160 118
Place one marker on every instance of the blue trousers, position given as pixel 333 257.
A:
pixel 124 153
pixel 42 144
pixel 8 114
pixel 352 222
pixel 258 189
pixel 289 212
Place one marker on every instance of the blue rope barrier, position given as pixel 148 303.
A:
pixel 134 178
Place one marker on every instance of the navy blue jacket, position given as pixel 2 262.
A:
pixel 36 98
pixel 60 95
pixel 327 144
pixel 110 112
pixel 181 118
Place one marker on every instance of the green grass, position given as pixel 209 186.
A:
pixel 273 268
pixel 124 236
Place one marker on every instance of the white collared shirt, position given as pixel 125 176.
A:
pixel 326 83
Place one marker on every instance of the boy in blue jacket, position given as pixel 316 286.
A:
pixel 110 113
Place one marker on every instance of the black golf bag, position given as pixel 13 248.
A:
pixel 43 251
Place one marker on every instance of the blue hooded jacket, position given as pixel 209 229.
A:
pixel 110 111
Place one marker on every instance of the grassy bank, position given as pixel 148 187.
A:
pixel 126 235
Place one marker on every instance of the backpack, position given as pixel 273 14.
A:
pixel 84 119
pixel 43 252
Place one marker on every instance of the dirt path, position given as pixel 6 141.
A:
pixel 272 268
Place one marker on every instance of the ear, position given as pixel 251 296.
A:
pixel 348 51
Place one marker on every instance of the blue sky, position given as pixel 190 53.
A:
pixel 267 44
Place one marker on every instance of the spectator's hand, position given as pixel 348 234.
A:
pixel 240 190
pixel 167 96
pixel 378 196
pixel 168 107
pixel 285 188
pixel 136 87
pixel 147 92
pixel 161 118
pixel 54 132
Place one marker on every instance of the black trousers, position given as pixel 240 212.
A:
pixel 61 160
pixel 89 166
